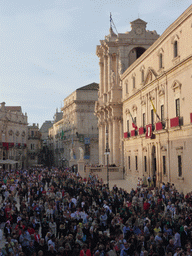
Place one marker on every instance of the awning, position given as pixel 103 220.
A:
pixel 8 161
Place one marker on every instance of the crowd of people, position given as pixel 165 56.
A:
pixel 50 212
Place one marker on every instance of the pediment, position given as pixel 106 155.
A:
pixel 176 85
pixel 150 76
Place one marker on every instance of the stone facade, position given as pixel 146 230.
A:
pixel 157 97
pixel 33 145
pixel 13 135
pixel 116 53
pixel 77 128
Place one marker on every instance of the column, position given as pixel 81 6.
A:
pixel 121 143
pixel 117 70
pixel 105 74
pixel 116 139
pixel 111 142
pixel 109 71
pixel 101 143
pixel 101 85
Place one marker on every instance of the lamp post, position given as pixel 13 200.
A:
pixel 107 152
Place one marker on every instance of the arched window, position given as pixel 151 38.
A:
pixel 175 45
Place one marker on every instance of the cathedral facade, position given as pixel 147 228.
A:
pixel 116 53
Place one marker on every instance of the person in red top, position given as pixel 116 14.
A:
pixel 146 205
pixel 31 230
pixel 85 251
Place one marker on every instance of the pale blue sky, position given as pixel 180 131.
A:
pixel 47 47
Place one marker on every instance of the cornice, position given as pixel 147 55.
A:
pixel 159 41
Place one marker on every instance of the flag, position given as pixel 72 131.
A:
pixel 154 109
pixel 62 135
pixel 133 123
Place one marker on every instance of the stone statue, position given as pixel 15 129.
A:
pixel 71 154
pixel 81 153
pixel 113 78
pixel 121 68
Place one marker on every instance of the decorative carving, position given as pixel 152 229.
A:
pixel 176 85
pixel 10 132
pixel 162 90
pixel 144 149
pixel 163 148
pixel 134 108
pixel 113 76
pixel 143 100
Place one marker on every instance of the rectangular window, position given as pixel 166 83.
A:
pixel 145 163
pixel 177 106
pixel 32 133
pixel 179 166
pixel 87 149
pixel 164 165
pixel 127 125
pixel 162 112
pixel 152 117
pixel 129 162
pixel 136 163
pixel 133 82
pixel 144 123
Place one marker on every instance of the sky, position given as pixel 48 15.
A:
pixel 48 47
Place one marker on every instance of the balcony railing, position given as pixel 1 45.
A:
pixel 141 130
pixel 176 121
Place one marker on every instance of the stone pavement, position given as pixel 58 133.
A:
pixel 125 184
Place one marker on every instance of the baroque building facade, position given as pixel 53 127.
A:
pixel 13 136
pixel 33 145
pixel 157 109
pixel 77 128
pixel 116 53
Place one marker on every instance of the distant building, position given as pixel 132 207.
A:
pixel 33 145
pixel 13 136
pixel 77 128
pixel 44 130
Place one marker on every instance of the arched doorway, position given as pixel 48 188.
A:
pixel 135 53
pixel 153 158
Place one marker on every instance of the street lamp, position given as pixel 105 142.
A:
pixel 107 152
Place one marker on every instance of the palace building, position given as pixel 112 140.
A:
pixel 157 108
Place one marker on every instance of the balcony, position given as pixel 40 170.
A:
pixel 176 121
pixel 141 130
